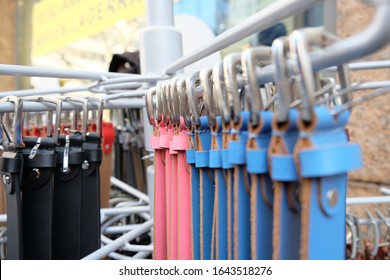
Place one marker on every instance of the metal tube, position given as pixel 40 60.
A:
pixel 128 246
pixel 125 94
pixel 356 46
pixel 261 20
pixel 124 210
pixel 363 65
pixel 368 200
pixel 37 107
pixel 34 71
pixel 384 190
pixel 159 12
pixel 119 242
pixel 29 92
pixel 119 229
pixel 127 188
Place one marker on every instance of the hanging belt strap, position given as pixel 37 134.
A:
pixel 37 203
pixel 165 139
pixel 160 226
pixel 220 195
pixel 324 158
pixel 10 166
pixel 90 195
pixel 241 208
pixel 128 164
pixel 195 196
pixel 287 220
pixel 118 155
pixel 180 144
pixel 206 187
pixel 261 198
pixel 228 171
pixel 67 199
pixel 173 201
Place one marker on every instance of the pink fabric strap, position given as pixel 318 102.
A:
pixel 160 230
pixel 180 143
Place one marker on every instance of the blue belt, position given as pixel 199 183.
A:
pixel 325 165
pixel 261 207
pixel 237 157
pixel 287 220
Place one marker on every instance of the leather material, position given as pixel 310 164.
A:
pixel 283 168
pixel 331 157
pixel 202 159
pixel 257 161
pixel 237 152
pixel 9 162
pixel 328 161
pixel 225 159
pixel 67 207
pixel 190 156
pixel 37 203
pixel 215 159
pixel 90 197
pixel 287 220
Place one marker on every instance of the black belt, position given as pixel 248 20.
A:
pixel 67 202
pixel 37 203
pixel 90 196
pixel 10 166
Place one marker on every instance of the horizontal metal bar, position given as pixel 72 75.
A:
pixel 128 246
pixel 119 242
pixel 263 19
pixel 29 92
pixel 126 94
pixel 34 71
pixel 366 42
pixel 37 107
pixel 363 65
pixel 384 190
pixel 127 188
pixel 124 210
pixel 119 229
pixel 368 200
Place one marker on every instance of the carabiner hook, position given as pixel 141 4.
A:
pixel 282 75
pixel 206 82
pixel 150 108
pixel 231 64
pixel 250 60
pixel 220 91
pixel 193 101
pixel 183 101
pixel 17 134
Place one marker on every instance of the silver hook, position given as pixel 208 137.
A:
pixel 84 102
pixel 250 60
pixel 174 101
pixel 58 104
pixel 231 65
pixel 193 100
pixel 374 225
pixel 303 73
pixel 282 75
pixel 17 131
pixel 150 108
pixel 220 91
pixel 99 123
pixel 206 82
pixel 185 112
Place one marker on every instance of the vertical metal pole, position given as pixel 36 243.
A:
pixel 160 44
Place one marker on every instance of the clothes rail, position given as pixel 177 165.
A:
pixel 112 104
pixel 261 20
pixel 119 242
pixel 363 65
pixel 364 43
pixel 368 200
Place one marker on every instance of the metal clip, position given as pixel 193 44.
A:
pixel 35 148
pixel 65 167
